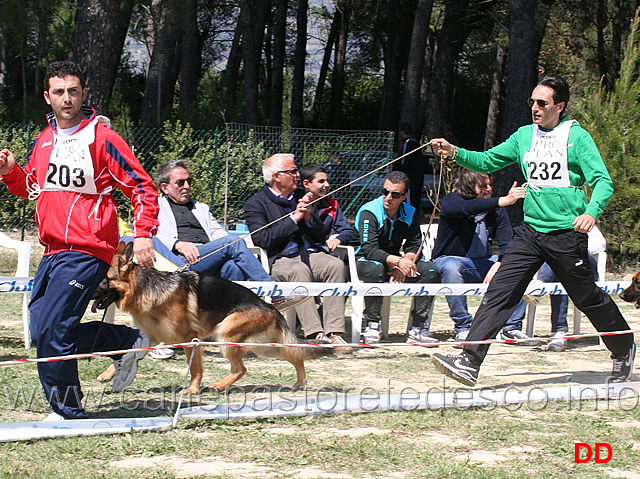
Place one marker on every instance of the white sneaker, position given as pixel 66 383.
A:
pixel 163 353
pixel 517 334
pixel 54 416
pixel 558 342
pixel 372 333
pixel 420 334
pixel 127 365
pixel 461 337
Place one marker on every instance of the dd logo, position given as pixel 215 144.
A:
pixel 590 452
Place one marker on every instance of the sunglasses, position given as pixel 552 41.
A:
pixel 180 182
pixel 541 103
pixel 291 172
pixel 396 195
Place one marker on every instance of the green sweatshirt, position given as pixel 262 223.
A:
pixel 550 209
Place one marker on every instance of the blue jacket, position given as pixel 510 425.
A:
pixel 381 237
pixel 457 225
pixel 281 237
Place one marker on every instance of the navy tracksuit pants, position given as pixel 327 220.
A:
pixel 62 289
pixel 566 253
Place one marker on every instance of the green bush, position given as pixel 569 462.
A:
pixel 16 214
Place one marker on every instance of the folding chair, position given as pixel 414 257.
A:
pixel 23 248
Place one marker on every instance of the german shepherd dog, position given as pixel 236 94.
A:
pixel 632 293
pixel 178 307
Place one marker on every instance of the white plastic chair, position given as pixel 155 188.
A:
pixel 357 302
pixel 23 249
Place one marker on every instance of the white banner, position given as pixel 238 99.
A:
pixel 21 285
pixel 27 431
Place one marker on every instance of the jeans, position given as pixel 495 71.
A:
pixel 459 269
pixel 234 262
pixel 560 302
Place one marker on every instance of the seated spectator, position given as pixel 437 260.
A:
pixel 315 181
pixel 284 223
pixel 470 219
pixel 560 302
pixel 386 226
pixel 189 230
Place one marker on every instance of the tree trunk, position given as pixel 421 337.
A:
pixel 415 64
pixel 191 58
pixel 252 40
pixel 299 62
pixel 453 34
pixel 399 24
pixel 521 73
pixel 44 11
pixel 419 128
pixel 491 131
pixel 609 12
pixel 161 74
pixel 324 69
pixel 231 72
pixel 98 39
pixel 276 92
pixel 343 13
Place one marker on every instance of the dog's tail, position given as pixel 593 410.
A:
pixel 282 334
pixel 310 352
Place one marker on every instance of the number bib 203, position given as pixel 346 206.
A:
pixel 546 161
pixel 71 165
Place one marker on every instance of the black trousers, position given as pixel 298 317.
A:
pixel 566 253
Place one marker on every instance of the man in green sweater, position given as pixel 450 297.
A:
pixel 557 157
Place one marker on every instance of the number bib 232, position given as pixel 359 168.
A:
pixel 546 161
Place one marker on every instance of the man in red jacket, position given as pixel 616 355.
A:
pixel 75 165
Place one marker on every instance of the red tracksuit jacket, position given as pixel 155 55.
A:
pixel 73 177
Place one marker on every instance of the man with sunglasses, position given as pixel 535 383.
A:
pixel 190 231
pixel 387 225
pixel 557 158
pixel 284 223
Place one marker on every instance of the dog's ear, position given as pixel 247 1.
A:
pixel 121 247
pixel 128 252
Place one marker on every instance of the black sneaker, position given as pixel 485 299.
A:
pixel 622 366
pixel 458 367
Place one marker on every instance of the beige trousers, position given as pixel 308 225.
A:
pixel 326 269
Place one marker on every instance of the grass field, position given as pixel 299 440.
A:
pixel 530 440
pixel 517 441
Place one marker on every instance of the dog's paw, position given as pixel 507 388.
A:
pixel 192 390
pixel 108 375
pixel 299 385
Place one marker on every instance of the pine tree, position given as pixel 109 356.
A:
pixel 612 119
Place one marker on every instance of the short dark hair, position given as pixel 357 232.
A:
pixel 406 127
pixel 396 177
pixel 467 182
pixel 560 88
pixel 310 170
pixel 163 173
pixel 64 69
